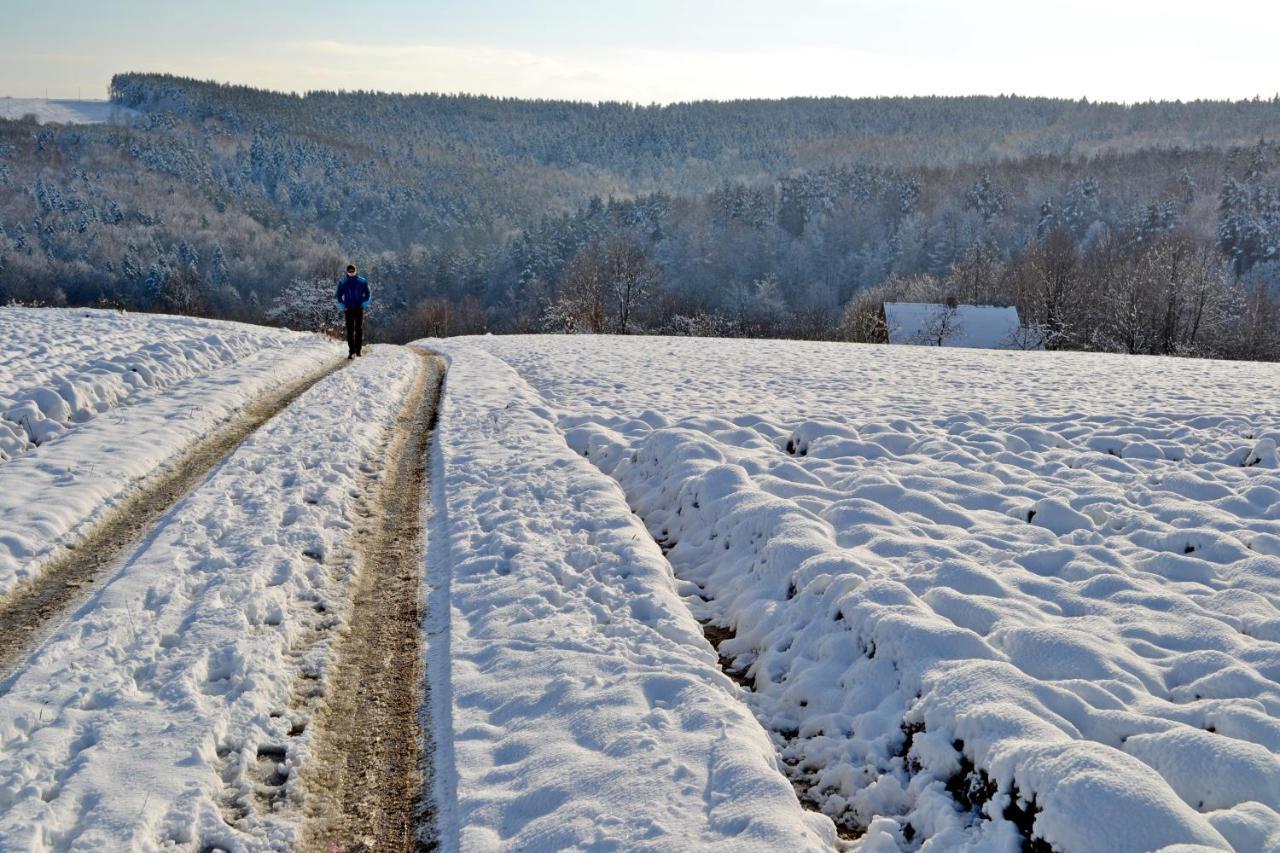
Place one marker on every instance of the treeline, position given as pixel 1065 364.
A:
pixel 1169 295
pixel 1159 252
pixel 663 141
pixel 1150 228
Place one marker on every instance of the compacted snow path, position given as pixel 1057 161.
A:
pixel 365 780
pixel 164 713
pixel 33 608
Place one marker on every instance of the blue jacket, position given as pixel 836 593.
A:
pixel 353 292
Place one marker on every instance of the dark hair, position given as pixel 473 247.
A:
pixel 351 268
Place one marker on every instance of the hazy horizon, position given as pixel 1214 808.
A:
pixel 102 97
pixel 665 52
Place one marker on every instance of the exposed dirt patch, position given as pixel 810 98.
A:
pixel 364 780
pixel 30 613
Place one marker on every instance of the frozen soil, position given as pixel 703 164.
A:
pixel 30 612
pixel 365 780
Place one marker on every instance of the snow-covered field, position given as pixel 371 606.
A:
pixel 977 596
pixel 65 111
pixel 574 699
pixel 92 402
pixel 161 714
pixel 962 600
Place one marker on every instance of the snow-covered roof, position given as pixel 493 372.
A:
pixel 934 324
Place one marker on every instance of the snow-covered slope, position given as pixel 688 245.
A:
pixel 92 402
pixel 65 112
pixel 979 596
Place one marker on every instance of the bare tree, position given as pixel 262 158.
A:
pixel 630 279
pixel 306 304
pixel 1028 336
pixel 579 305
pixel 863 319
pixel 1047 285
pixel 944 326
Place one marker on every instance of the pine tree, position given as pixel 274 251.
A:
pixel 985 198
pixel 218 274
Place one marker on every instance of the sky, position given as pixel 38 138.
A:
pixel 655 50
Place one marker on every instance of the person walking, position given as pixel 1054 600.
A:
pixel 353 297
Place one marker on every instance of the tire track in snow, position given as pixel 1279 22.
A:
pixel 31 613
pixel 364 782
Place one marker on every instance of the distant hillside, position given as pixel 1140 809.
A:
pixel 65 112
pixel 216 198
pixel 754 136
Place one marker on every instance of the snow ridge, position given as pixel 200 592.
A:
pixel 968 628
pixel 45 390
pixel 579 685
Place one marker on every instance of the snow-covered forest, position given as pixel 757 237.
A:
pixel 1152 228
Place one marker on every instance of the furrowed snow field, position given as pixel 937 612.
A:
pixel 167 713
pixel 92 402
pixel 959 600
pixel 979 597
pixel 574 701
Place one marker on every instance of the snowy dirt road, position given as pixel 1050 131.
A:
pixel 30 612
pixel 365 780
pixel 165 713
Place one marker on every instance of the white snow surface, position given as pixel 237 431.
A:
pixel 92 402
pixel 574 701
pixel 161 716
pixel 978 595
pixel 66 111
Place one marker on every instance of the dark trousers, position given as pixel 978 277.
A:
pixel 355 329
